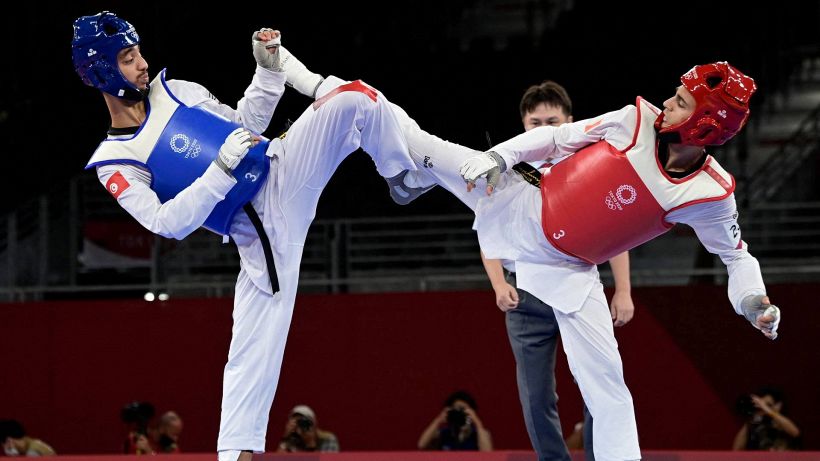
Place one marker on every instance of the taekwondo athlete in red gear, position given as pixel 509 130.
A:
pixel 640 169
pixel 177 159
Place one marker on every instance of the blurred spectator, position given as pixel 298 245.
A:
pixel 302 433
pixel 17 443
pixel 575 441
pixel 457 427
pixel 136 416
pixel 167 433
pixel 765 427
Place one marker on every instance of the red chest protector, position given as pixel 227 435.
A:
pixel 602 201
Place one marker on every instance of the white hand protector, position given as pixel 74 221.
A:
pixel 266 52
pixel 298 76
pixel 753 308
pixel 233 150
pixel 488 165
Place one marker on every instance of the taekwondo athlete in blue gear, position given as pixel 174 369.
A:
pixel 154 129
pixel 186 141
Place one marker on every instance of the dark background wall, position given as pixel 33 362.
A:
pixel 459 67
pixel 376 368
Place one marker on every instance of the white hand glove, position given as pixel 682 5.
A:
pixel 233 150
pixel 488 165
pixel 756 306
pixel 266 44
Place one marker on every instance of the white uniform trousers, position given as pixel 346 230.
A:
pixel 587 334
pixel 302 165
pixel 592 353
pixel 437 160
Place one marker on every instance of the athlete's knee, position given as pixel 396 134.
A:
pixel 348 105
pixel 351 95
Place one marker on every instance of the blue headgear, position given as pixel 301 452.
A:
pixel 97 40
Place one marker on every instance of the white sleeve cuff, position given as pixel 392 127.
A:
pixel 217 180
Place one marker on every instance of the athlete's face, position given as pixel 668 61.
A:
pixel 133 66
pixel 678 108
pixel 545 115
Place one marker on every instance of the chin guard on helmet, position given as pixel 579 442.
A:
pixel 722 96
pixel 97 41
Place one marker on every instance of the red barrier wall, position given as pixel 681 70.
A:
pixel 467 456
pixel 377 367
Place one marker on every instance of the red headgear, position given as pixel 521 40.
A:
pixel 722 95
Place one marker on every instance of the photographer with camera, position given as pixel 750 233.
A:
pixel 136 416
pixel 765 427
pixel 168 432
pixel 457 427
pixel 302 433
pixel 17 443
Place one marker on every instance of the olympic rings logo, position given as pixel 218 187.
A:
pixel 194 151
pixel 610 203
pixel 624 195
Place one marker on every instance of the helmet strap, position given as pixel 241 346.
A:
pixel 132 94
pixel 669 137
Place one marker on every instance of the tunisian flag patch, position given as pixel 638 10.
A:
pixel 116 184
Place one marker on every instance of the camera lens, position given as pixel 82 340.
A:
pixel 304 423
pixel 456 418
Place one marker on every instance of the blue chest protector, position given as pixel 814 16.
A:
pixel 186 148
pixel 183 142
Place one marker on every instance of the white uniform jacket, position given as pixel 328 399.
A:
pixel 178 217
pixel 562 281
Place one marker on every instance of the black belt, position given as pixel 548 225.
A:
pixel 266 248
pixel 529 173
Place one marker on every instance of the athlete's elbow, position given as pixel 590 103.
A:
pixel 170 232
pixel 256 123
pixel 180 234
